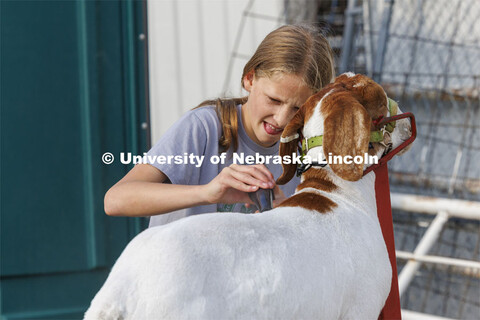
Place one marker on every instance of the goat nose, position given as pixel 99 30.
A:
pixel 409 126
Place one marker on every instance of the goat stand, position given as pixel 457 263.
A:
pixel 391 310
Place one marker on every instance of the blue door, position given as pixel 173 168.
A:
pixel 73 87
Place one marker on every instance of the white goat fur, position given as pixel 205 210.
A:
pixel 287 263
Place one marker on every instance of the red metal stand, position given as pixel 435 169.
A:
pixel 391 310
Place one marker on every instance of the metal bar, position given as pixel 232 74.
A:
pixel 348 36
pixel 95 253
pixel 427 241
pixel 411 315
pixel 392 307
pixel 131 90
pixel 461 263
pixel 331 16
pixel 368 36
pixel 238 37
pixel 146 74
pixel 382 41
pixel 430 205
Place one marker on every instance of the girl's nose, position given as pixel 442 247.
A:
pixel 283 116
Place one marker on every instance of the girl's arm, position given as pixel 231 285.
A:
pixel 144 191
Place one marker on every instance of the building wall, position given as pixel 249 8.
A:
pixel 197 50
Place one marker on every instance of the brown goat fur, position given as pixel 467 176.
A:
pixel 349 104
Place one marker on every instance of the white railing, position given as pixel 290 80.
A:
pixel 443 209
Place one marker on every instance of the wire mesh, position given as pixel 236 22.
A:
pixel 431 66
pixel 438 289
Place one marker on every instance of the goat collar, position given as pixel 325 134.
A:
pixel 375 136
pixel 305 166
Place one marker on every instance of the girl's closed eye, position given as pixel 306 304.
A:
pixel 279 102
pixel 274 101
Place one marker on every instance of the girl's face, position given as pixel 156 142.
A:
pixel 271 104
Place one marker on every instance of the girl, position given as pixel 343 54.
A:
pixel 292 63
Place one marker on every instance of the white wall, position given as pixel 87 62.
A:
pixel 191 46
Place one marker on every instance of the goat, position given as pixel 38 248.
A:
pixel 319 255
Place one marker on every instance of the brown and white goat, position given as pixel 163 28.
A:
pixel 320 255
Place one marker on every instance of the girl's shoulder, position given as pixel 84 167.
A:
pixel 206 112
pixel 205 116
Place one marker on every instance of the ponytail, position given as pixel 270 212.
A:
pixel 227 114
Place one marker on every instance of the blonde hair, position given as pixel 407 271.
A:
pixel 293 49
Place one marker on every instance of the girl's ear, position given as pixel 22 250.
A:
pixel 347 133
pixel 289 144
pixel 248 80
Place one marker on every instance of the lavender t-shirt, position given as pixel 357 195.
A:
pixel 197 133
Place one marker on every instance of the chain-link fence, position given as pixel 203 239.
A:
pixel 438 289
pixel 426 54
pixel 431 65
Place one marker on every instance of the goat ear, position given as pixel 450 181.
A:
pixel 347 133
pixel 289 144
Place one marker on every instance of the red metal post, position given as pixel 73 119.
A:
pixel 392 309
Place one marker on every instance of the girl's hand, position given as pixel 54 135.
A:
pixel 232 183
pixel 279 197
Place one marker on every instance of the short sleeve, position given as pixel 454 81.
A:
pixel 177 152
